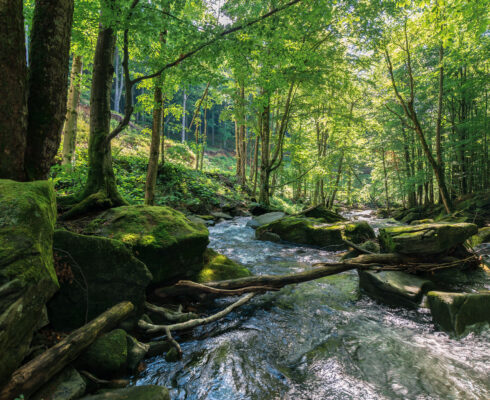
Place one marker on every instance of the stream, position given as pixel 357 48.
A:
pixel 318 340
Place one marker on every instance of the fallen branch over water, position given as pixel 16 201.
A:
pixel 31 376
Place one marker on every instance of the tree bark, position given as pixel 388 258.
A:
pixel 70 131
pixel 13 91
pixel 48 83
pixel 31 376
pixel 151 176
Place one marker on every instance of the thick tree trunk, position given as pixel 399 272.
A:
pixel 31 376
pixel 13 91
pixel 48 81
pixel 265 159
pixel 151 176
pixel 70 131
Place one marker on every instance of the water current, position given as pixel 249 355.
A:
pixel 318 340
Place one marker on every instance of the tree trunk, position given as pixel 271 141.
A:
pixel 31 376
pixel 385 175
pixel 13 91
pixel 151 177
pixel 70 131
pixel 48 81
pixel 264 159
pixel 183 116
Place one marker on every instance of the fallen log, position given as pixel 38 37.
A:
pixel 357 247
pixel 31 376
pixel 170 315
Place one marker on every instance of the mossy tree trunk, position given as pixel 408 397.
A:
pixel 70 131
pixel 151 176
pixel 13 90
pixel 48 83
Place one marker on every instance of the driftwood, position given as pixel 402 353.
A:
pixel 357 247
pixel 113 384
pixel 170 315
pixel 31 376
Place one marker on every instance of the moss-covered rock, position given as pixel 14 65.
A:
pixel 268 236
pixel 170 245
pixel 483 236
pixel 265 219
pixel 150 392
pixel 98 274
pixel 218 267
pixel 455 312
pixel 370 245
pixel 67 385
pixel 422 221
pixel 315 232
pixel 27 275
pixel 107 356
pixel 394 287
pixel 324 213
pixel 426 239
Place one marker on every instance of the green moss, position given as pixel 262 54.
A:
pixel 218 267
pixel 107 356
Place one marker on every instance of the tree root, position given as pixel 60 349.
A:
pixel 113 384
pixel 170 315
pixel 99 201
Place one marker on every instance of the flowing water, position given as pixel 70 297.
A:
pixel 318 340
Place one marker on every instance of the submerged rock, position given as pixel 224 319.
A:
pixel 107 356
pixel 394 287
pixel 324 213
pixel 268 237
pixel 317 233
pixel 265 219
pixel 150 392
pixel 221 215
pixel 455 312
pixel 170 245
pixel 218 267
pixel 67 385
pixel 27 274
pixel 99 273
pixel 426 239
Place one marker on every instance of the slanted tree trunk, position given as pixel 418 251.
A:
pixel 13 91
pixel 70 131
pixel 48 81
pixel 151 176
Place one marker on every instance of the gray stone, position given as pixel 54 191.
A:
pixel 394 287
pixel 218 214
pixel 457 312
pixel 265 219
pixel 268 236
pixel 67 385
pixel 150 392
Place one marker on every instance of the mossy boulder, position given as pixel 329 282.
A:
pixel 98 273
pixel 394 287
pixel 27 275
pixel 170 245
pixel 218 267
pixel 107 356
pixel 150 392
pixel 455 312
pixel 268 236
pixel 67 385
pixel 483 236
pixel 324 213
pixel 315 232
pixel 426 239
pixel 265 219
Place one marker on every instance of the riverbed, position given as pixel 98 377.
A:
pixel 318 340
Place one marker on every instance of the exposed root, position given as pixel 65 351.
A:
pixel 170 315
pixel 99 201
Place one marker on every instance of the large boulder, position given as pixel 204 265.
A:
pixel 27 275
pixel 97 273
pixel 455 312
pixel 149 392
pixel 170 245
pixel 67 385
pixel 315 232
pixel 324 213
pixel 265 219
pixel 218 267
pixel 394 287
pixel 426 239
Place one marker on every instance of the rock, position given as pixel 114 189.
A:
pixel 136 352
pixel 483 236
pixel 27 274
pixel 259 209
pixel 422 221
pixel 455 312
pixel 427 239
pixel 107 356
pixel 315 232
pixel 394 287
pixel 149 392
pixel 218 267
pixel 222 215
pixel 268 237
pixel 324 213
pixel 265 219
pixel 170 245
pixel 67 385
pixel 102 273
